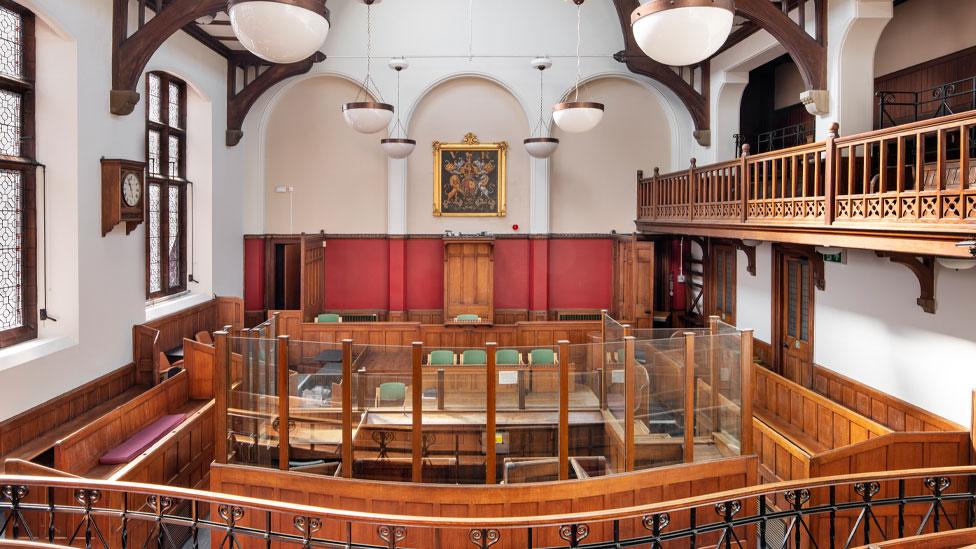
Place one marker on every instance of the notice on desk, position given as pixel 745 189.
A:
pixel 617 376
pixel 508 377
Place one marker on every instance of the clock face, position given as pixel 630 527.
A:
pixel 131 190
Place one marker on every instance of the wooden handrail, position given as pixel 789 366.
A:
pixel 603 515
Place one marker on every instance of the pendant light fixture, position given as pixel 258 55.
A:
pixel 578 116
pixel 398 145
pixel 541 146
pixel 682 32
pixel 363 114
pixel 280 31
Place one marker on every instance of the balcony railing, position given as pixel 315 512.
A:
pixel 830 512
pixel 898 107
pixel 774 140
pixel 915 176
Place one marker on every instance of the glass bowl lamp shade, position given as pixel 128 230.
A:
pixel 577 116
pixel 955 263
pixel 367 116
pixel 398 147
pixel 541 147
pixel 280 31
pixel 679 33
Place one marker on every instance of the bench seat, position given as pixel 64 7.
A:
pixel 807 443
pixel 142 440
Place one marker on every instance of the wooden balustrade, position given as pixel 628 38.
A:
pixel 918 176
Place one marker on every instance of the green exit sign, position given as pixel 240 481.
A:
pixel 835 258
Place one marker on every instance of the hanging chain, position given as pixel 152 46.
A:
pixel 539 126
pixel 579 42
pixel 397 132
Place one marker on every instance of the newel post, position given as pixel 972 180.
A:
pixel 641 193
pixel 654 192
pixel 744 181
pixel 691 188
pixel 222 370
pixel 831 173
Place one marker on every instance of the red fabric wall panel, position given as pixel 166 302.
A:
pixel 356 274
pixel 512 274
pixel 425 274
pixel 580 273
pixel 253 274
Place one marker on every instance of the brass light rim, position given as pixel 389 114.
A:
pixel 367 105
pixel 314 6
pixel 540 140
pixel 565 105
pixel 657 6
pixel 398 140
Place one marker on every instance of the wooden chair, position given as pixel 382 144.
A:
pixel 328 318
pixel 475 357
pixel 508 357
pixel 543 357
pixel 391 392
pixel 167 370
pixel 441 358
pixel 204 337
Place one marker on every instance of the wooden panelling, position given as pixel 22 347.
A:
pixel 469 278
pixel 893 452
pixel 762 352
pixel 313 275
pixel 643 487
pixel 887 410
pixel 31 425
pixel 633 281
pixel 199 363
pixel 925 76
pixel 817 422
pixel 508 316
pixel 779 458
pixel 427 316
pixel 79 453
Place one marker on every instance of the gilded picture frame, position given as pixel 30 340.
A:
pixel 470 178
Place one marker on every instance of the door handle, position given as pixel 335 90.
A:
pixel 786 345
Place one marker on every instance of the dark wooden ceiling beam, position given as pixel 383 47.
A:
pixel 809 53
pixel 239 103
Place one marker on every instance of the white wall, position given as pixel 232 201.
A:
pixel 868 327
pixel 434 37
pixel 96 285
pixel 921 31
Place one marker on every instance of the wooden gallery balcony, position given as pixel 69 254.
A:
pixel 909 188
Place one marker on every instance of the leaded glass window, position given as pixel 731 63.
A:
pixel 722 283
pixel 18 287
pixel 165 153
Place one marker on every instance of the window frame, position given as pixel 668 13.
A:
pixel 165 181
pixel 26 165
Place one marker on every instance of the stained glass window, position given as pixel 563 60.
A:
pixel 18 290
pixel 165 237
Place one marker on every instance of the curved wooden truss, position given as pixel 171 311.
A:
pixel 133 51
pixel 690 84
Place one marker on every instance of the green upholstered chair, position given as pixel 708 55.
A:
pixel 474 356
pixel 542 356
pixel 391 392
pixel 508 357
pixel 467 318
pixel 326 318
pixel 441 358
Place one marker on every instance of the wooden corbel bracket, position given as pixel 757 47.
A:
pixel 924 270
pixel 750 252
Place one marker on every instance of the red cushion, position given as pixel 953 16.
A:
pixel 139 442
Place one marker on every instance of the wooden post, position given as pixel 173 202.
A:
pixel 831 173
pixel 284 401
pixel 521 388
pixel 628 331
pixel 563 409
pixel 440 389
pixel 222 371
pixel 603 360
pixel 347 454
pixel 416 408
pixel 689 446
pixel 714 377
pixel 490 426
pixel 691 189
pixel 641 193
pixel 743 182
pixel 629 400
pixel 654 191
pixel 972 426
pixel 745 378
pixel 277 323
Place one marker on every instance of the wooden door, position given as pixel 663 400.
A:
pixel 292 276
pixel 633 282
pixel 721 283
pixel 795 318
pixel 469 279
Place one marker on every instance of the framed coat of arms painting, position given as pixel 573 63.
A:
pixel 469 178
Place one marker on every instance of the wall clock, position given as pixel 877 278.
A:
pixel 123 194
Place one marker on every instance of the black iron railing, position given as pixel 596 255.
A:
pixel 774 140
pixel 900 107
pixel 827 512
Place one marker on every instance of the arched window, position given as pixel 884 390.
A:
pixel 166 206
pixel 18 234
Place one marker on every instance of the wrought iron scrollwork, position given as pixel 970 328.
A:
pixel 484 537
pixel 728 510
pixel 574 533
pixel 797 497
pixel 231 515
pixel 307 526
pixel 15 519
pixel 88 498
pixel 867 490
pixel 383 439
pixel 392 535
